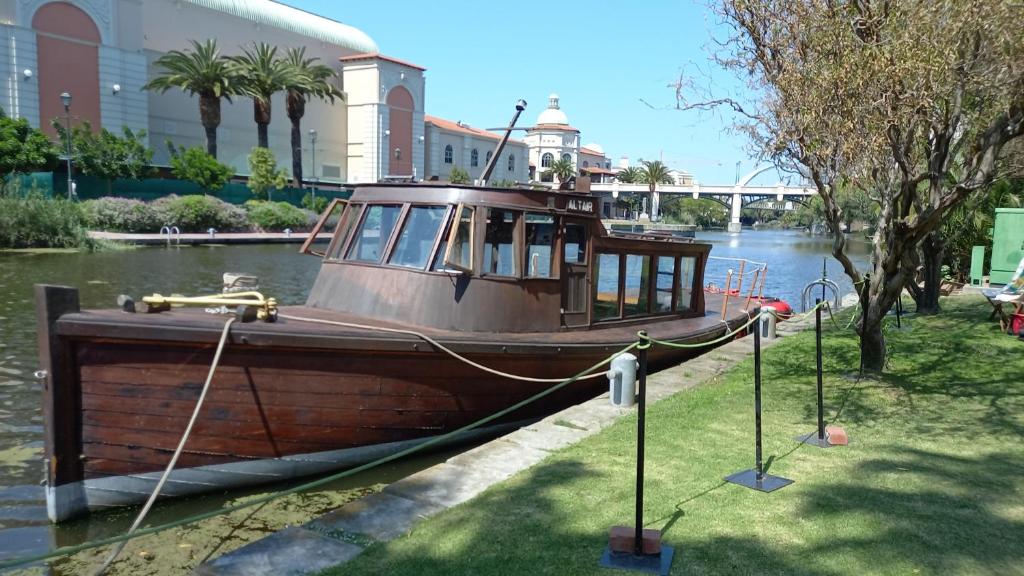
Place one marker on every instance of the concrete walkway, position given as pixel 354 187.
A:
pixel 343 534
pixel 216 238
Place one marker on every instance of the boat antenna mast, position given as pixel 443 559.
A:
pixel 482 181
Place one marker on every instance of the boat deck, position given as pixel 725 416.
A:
pixel 195 325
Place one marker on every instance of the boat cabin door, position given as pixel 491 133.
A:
pixel 575 287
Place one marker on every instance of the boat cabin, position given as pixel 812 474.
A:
pixel 497 260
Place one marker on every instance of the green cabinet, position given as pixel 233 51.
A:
pixel 1007 244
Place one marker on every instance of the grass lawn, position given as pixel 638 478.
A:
pixel 931 483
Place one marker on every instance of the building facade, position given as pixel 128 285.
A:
pixel 458 145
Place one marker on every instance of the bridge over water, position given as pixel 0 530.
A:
pixel 735 196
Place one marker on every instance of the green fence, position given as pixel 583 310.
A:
pixel 88 188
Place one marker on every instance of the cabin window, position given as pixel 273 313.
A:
pixel 499 242
pixel 684 300
pixel 348 221
pixel 575 244
pixel 637 286
pixel 663 284
pixel 606 299
pixel 448 153
pixel 474 158
pixel 373 233
pixel 540 245
pixel 416 239
pixel 456 252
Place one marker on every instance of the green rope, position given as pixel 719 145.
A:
pixel 67 550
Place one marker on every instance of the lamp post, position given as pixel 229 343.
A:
pixel 312 139
pixel 65 99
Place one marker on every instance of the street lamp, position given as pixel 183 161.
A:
pixel 65 99
pixel 312 138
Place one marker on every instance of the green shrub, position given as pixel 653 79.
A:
pixel 276 216
pixel 196 165
pixel 264 176
pixel 34 221
pixel 197 213
pixel 318 204
pixel 458 176
pixel 120 215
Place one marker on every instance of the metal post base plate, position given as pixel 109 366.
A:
pixel 813 440
pixel 650 563
pixel 766 483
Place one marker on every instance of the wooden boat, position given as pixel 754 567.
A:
pixel 523 281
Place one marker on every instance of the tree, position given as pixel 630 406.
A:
pixel 105 155
pixel 200 71
pixel 909 102
pixel 561 169
pixel 264 175
pixel 195 165
pixel 629 175
pixel 306 79
pixel 458 176
pixel 261 74
pixel 654 172
pixel 22 149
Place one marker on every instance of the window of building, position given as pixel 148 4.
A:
pixel 606 299
pixel 448 153
pixel 637 287
pixel 546 160
pixel 373 233
pixel 456 252
pixel 474 158
pixel 567 157
pixel 586 164
pixel 608 164
pixel 489 154
pixel 540 245
pixel 416 239
pixel 511 163
pixel 663 285
pixel 499 242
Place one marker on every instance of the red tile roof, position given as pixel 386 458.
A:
pixel 378 56
pixel 563 127
pixel 585 150
pixel 464 128
pixel 599 170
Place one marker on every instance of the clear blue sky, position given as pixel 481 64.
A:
pixel 602 58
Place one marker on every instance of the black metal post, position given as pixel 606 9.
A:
pixel 824 275
pixel 757 405
pixel 817 353
pixel 756 478
pixel 638 543
pixel 899 311
pixel 520 106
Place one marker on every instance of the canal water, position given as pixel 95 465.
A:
pixel 793 259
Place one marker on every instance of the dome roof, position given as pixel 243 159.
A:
pixel 294 20
pixel 552 115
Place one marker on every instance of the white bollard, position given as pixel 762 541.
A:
pixel 622 380
pixel 767 322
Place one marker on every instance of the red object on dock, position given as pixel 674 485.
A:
pixel 836 436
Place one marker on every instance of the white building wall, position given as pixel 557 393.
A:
pixel 129 105
pixel 19 96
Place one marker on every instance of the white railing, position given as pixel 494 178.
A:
pixel 739 271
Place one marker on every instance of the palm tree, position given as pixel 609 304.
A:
pixel 203 71
pixel 653 173
pixel 629 175
pixel 261 75
pixel 308 79
pixel 562 169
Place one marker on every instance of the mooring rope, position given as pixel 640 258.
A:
pixel 177 451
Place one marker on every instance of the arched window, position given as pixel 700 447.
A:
pixel 546 160
pixel 489 154
pixel 448 154
pixel 586 164
pixel 608 164
pixel 474 158
pixel 567 157
pixel 511 163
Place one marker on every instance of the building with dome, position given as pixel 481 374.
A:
pixel 553 138
pixel 102 52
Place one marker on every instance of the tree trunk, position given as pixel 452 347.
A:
pixel 211 140
pixel 297 152
pixel 261 115
pixel 209 116
pixel 872 351
pixel 262 140
pixel 931 249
